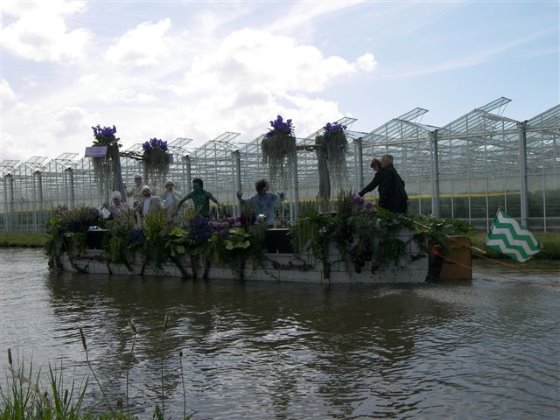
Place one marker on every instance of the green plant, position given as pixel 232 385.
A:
pixel 239 246
pixel 364 235
pixel 108 168
pixel 334 144
pixel 279 150
pixel 155 234
pixel 67 232
pixel 123 240
pixel 25 399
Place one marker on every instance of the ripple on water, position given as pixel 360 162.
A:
pixel 255 350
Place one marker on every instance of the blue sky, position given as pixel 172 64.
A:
pixel 171 69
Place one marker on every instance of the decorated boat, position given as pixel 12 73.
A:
pixel 354 244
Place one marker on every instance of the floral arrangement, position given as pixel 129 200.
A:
pixel 156 159
pixel 278 148
pixel 333 145
pixel 105 136
pixel 109 167
pixel 366 237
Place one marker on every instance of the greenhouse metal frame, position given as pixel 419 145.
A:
pixel 468 169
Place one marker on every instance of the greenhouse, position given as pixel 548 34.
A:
pixel 465 170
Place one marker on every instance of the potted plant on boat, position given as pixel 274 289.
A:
pixel 156 160
pixel 279 150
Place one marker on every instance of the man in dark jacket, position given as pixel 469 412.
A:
pixel 392 195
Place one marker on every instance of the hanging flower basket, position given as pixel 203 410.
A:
pixel 278 150
pixel 104 167
pixel 156 159
pixel 334 143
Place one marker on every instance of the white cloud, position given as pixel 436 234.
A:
pixel 6 92
pixel 39 32
pixel 301 13
pixel 366 62
pixel 147 44
pixel 259 61
pixel 252 75
pixel 168 82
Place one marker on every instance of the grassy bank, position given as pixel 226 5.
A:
pixel 22 239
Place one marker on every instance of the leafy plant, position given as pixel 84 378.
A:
pixel 109 167
pixel 67 232
pixel 334 144
pixel 123 240
pixel 156 159
pixel 364 234
pixel 279 149
pixel 155 237
pixel 237 246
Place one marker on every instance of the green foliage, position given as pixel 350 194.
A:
pixel 67 230
pixel 155 234
pixel 238 247
pixel 178 241
pixel 23 239
pixel 123 240
pixel 237 239
pixel 23 397
pixel 364 235
pixel 278 151
pixel 335 147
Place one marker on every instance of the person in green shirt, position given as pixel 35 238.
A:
pixel 200 197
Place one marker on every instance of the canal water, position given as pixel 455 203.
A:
pixel 489 349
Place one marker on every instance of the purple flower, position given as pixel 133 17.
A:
pixel 279 126
pixel 199 229
pixel 137 236
pixel 369 206
pixel 333 129
pixel 155 144
pixel 358 200
pixel 104 133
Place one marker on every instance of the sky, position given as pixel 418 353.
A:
pixel 197 69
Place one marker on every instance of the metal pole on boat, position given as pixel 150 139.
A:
pixel 72 195
pixel 359 164
pixel 237 167
pixel 8 184
pixel 522 126
pixel 295 206
pixel 435 172
pixel 187 160
pixel 37 197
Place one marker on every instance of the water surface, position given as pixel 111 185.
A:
pixel 257 350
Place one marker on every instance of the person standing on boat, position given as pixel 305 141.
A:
pixel 148 204
pixel 377 169
pixel 135 192
pixel 117 206
pixel 392 195
pixel 200 197
pixel 263 202
pixel 170 199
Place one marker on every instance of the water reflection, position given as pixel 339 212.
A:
pixel 262 350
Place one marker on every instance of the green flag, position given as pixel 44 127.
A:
pixel 511 239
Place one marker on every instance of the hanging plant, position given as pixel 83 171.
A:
pixel 107 168
pixel 156 159
pixel 278 150
pixel 334 144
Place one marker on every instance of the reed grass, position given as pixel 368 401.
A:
pixel 23 397
pixel 84 344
